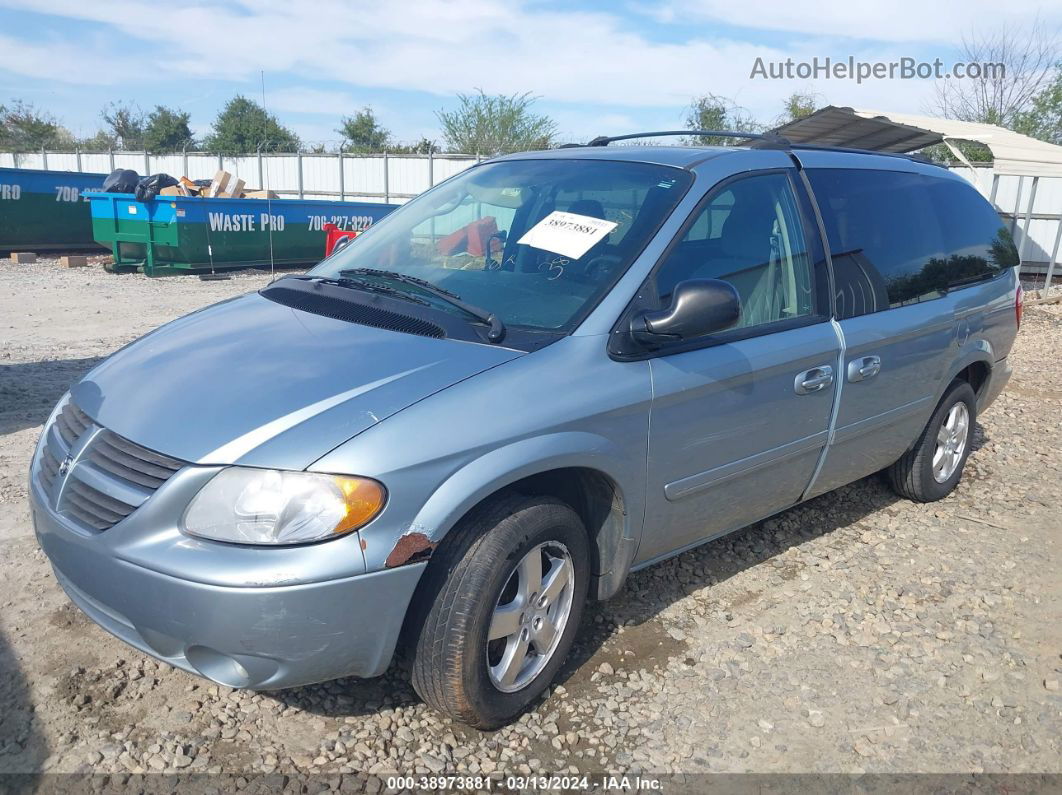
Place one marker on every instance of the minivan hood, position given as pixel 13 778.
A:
pixel 252 382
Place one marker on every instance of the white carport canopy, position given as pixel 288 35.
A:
pixel 1012 153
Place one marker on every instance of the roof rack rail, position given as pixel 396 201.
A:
pixel 912 156
pixel 765 140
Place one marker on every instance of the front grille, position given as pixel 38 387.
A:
pixel 130 462
pixel 49 468
pixel 71 423
pixel 92 507
pixel 108 476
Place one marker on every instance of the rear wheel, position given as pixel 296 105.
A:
pixel 508 597
pixel 933 466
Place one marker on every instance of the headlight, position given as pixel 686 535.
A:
pixel 264 506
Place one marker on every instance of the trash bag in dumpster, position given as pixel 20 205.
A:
pixel 149 187
pixel 121 180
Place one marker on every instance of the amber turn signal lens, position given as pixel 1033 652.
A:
pixel 364 499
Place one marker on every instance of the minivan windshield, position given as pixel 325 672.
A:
pixel 536 243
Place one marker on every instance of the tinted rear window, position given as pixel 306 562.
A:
pixel 898 238
pixel 978 244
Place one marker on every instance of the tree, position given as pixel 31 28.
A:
pixel 363 132
pixel 102 141
pixel 713 112
pixel 1016 65
pixel 493 124
pixel 1043 120
pixel 126 123
pixel 422 147
pixel 244 126
pixel 425 146
pixel 167 130
pixel 973 151
pixel 798 105
pixel 23 128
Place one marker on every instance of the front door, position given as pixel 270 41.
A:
pixel 739 420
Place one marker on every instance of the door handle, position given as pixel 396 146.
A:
pixel 813 380
pixel 864 368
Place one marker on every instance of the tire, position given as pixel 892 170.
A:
pixel 472 577
pixel 915 476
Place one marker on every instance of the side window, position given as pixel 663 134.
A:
pixel 886 238
pixel 750 235
pixel 977 243
pixel 709 224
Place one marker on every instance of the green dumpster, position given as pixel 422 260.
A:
pixel 181 234
pixel 46 210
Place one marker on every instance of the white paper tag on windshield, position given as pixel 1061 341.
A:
pixel 569 234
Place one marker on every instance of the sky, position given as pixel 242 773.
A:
pixel 596 67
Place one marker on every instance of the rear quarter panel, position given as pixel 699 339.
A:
pixel 990 313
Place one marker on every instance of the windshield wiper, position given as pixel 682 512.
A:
pixel 497 327
pixel 398 277
pixel 369 287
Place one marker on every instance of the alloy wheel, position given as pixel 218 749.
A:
pixel 951 442
pixel 530 616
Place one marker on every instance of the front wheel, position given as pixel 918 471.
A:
pixel 508 597
pixel 931 469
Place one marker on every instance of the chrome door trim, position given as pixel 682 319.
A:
pixel 835 410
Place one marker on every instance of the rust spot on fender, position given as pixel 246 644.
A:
pixel 410 548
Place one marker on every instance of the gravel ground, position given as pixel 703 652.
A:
pixel 858 632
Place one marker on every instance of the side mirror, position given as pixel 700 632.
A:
pixel 698 307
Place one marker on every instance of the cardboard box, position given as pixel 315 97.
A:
pixel 174 190
pixel 220 184
pixel 235 189
pixel 260 194
pixel 189 187
pixel 23 257
pixel 73 261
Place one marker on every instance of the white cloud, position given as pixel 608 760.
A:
pixel 59 62
pixel 584 59
pixel 943 21
pixel 567 56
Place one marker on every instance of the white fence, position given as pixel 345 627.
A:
pixel 377 178
pixel 1032 206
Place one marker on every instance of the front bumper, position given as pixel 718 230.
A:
pixel 255 637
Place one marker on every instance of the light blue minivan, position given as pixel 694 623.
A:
pixel 550 370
